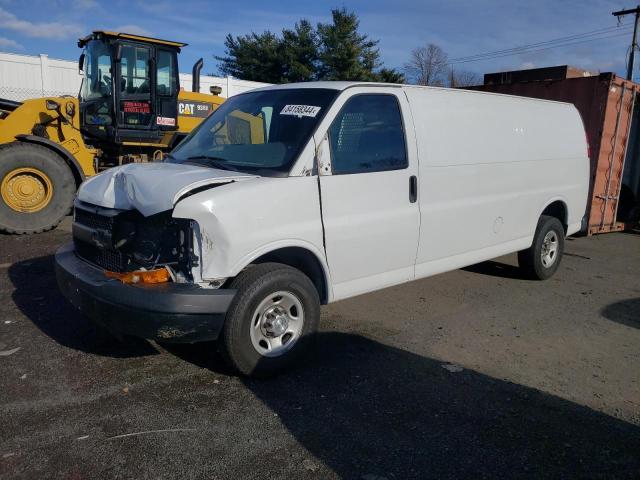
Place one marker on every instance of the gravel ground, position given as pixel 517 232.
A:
pixel 474 373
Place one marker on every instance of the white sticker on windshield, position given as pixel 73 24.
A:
pixel 300 110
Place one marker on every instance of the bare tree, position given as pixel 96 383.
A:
pixel 463 78
pixel 427 65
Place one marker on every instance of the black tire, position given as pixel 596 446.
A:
pixel 25 155
pixel 254 285
pixel 531 260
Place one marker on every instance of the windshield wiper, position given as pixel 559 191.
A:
pixel 215 162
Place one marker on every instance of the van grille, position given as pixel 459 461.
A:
pixel 93 220
pixel 108 259
pixel 142 242
pixel 100 226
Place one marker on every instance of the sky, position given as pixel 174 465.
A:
pixel 461 27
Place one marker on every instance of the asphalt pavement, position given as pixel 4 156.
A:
pixel 476 373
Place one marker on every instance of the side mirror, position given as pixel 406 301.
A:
pixel 118 56
pixel 215 90
pixel 81 64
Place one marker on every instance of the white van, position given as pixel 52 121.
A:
pixel 293 196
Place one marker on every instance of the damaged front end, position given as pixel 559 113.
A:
pixel 134 275
pixel 134 268
pixel 130 246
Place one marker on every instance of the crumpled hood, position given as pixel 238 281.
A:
pixel 150 187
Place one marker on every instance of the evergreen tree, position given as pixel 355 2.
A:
pixel 333 51
pixel 254 57
pixel 345 54
pixel 389 75
pixel 299 49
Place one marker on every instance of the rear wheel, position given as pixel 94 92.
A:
pixel 542 259
pixel 271 319
pixel 36 188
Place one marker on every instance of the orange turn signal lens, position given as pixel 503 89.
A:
pixel 159 275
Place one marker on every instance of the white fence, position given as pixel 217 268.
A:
pixel 27 76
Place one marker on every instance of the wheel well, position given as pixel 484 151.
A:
pixel 77 176
pixel 59 150
pixel 303 260
pixel 558 210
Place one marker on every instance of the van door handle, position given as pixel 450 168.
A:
pixel 413 188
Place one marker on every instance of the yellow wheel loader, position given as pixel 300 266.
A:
pixel 130 109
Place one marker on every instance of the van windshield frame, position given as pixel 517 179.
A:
pixel 259 132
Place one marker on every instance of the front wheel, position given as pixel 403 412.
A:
pixel 542 259
pixel 271 320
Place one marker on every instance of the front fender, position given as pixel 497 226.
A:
pixel 242 221
pixel 287 243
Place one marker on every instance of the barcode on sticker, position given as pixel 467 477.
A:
pixel 300 110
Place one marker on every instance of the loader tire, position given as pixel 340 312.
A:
pixel 37 188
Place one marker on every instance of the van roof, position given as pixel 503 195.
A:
pixel 332 85
pixel 342 85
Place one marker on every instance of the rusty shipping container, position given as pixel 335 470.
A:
pixel 606 103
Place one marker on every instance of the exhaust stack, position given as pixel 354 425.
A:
pixel 195 82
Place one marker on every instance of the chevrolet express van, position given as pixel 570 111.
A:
pixel 293 196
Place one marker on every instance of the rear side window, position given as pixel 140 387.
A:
pixel 368 136
pixel 166 73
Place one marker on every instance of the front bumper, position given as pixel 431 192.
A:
pixel 170 312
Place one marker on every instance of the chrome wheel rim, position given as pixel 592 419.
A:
pixel 550 246
pixel 277 323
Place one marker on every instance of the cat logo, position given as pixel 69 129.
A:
pixel 194 109
pixel 186 108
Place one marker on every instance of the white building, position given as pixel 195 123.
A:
pixel 30 76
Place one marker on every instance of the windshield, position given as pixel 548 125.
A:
pixel 97 71
pixel 257 132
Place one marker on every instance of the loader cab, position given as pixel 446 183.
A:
pixel 130 88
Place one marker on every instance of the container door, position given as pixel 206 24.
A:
pixel 369 208
pixel 613 146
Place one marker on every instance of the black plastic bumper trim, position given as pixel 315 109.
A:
pixel 176 312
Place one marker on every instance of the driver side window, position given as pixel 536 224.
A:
pixel 368 136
